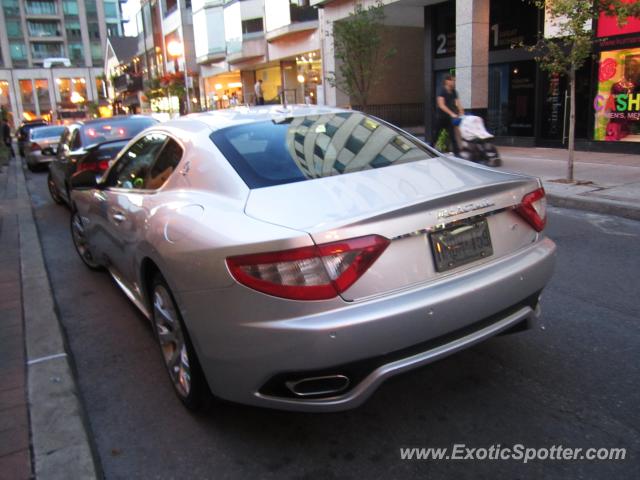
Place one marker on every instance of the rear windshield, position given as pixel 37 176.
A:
pixel 46 132
pixel 303 148
pixel 116 129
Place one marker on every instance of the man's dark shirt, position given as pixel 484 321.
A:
pixel 6 134
pixel 449 101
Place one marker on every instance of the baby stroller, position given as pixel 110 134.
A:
pixel 475 142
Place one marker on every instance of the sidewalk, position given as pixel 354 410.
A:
pixel 604 182
pixel 42 429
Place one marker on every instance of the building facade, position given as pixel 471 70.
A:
pixel 477 40
pixel 51 56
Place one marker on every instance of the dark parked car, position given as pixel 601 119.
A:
pixel 91 145
pixel 23 133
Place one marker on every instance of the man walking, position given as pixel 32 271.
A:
pixel 6 136
pixel 259 93
pixel 449 109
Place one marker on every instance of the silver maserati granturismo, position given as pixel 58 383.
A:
pixel 296 257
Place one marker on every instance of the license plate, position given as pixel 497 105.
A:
pixel 461 244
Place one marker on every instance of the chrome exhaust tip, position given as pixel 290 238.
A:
pixel 318 386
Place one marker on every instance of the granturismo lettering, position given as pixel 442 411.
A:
pixel 623 102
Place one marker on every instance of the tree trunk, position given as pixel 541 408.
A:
pixel 572 122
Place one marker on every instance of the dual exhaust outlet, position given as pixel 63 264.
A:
pixel 318 386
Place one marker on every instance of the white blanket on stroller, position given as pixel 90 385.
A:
pixel 472 128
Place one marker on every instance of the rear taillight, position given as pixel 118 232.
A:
pixel 533 209
pixel 99 167
pixel 34 146
pixel 309 273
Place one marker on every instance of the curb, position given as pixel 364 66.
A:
pixel 60 443
pixel 596 205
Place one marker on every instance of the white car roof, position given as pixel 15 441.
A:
pixel 218 119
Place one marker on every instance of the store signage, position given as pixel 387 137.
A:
pixel 617 102
pixel 608 25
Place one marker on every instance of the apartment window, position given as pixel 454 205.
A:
pixel 96 52
pixel 41 51
pixel 11 8
pixel 170 6
pixel 113 29
pixel 302 12
pixel 41 8
pixel 110 10
pixel 18 51
pixel 94 30
pixel 43 29
pixel 76 53
pixel 91 8
pixel 14 28
pixel 253 25
pixel 73 30
pixel 70 7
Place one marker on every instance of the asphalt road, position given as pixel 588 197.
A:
pixel 572 382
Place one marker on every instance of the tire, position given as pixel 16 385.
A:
pixel 53 190
pixel 80 242
pixel 176 348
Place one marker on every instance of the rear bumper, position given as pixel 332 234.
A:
pixel 250 361
pixel 36 158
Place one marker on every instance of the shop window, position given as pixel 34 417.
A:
pixel 617 100
pixel 5 99
pixel 26 94
pixel 42 95
pixel 511 106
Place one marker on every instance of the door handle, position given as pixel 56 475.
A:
pixel 118 217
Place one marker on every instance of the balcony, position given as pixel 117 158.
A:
pixel 41 8
pixel 44 30
pixel 40 51
pixel 250 49
pixel 302 19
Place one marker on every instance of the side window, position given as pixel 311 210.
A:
pixel 164 165
pixel 132 169
pixel 64 140
pixel 76 141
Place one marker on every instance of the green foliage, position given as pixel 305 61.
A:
pixel 442 143
pixel 359 52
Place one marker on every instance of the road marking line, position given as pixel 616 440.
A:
pixel 44 359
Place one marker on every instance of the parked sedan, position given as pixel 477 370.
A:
pixel 297 257
pixel 43 144
pixel 90 146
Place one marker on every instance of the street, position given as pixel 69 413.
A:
pixel 570 382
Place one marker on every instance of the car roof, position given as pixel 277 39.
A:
pixel 98 121
pixel 219 119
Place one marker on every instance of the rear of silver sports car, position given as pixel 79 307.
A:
pixel 392 269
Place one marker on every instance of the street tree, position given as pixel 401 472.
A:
pixel 359 52
pixel 567 52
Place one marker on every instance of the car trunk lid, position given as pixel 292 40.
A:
pixel 403 203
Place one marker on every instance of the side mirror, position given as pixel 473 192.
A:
pixel 84 180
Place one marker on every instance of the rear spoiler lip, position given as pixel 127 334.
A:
pixel 98 145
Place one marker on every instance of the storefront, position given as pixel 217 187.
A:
pixel 616 103
pixel 223 91
pixel 527 106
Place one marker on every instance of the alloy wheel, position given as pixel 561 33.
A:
pixel 53 190
pixel 80 241
pixel 172 340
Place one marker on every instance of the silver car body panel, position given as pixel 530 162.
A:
pixel 205 213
